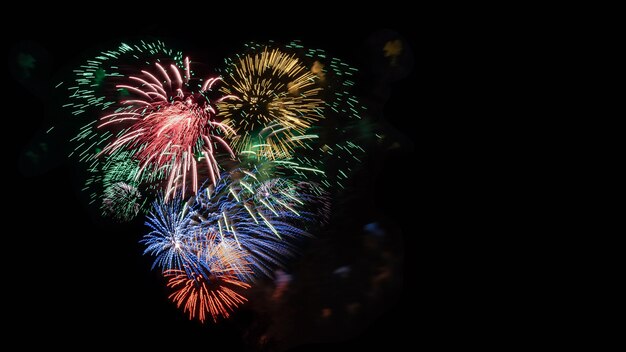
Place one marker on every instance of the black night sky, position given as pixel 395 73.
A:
pixel 81 281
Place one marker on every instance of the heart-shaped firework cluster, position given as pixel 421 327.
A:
pixel 233 170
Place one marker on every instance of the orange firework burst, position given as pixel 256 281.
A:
pixel 199 295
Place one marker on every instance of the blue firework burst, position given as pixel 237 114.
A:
pixel 175 242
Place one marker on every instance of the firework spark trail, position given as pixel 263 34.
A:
pixel 271 99
pixel 91 78
pixel 280 186
pixel 168 133
pixel 340 150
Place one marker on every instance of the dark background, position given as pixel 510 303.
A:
pixel 80 278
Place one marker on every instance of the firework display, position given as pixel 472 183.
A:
pixel 234 168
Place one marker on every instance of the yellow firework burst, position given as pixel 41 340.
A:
pixel 271 100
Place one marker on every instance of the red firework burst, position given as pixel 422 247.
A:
pixel 170 129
